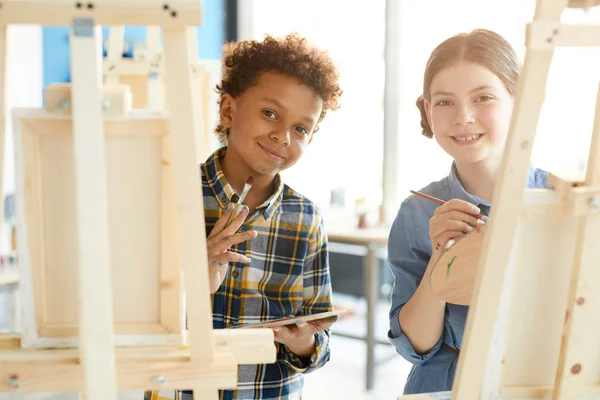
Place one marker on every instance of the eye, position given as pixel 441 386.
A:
pixel 270 114
pixel 484 97
pixel 443 103
pixel 302 130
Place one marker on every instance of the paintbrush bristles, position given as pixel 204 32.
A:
pixel 246 189
pixel 236 205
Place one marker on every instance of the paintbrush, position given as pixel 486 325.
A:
pixel 245 190
pixel 442 202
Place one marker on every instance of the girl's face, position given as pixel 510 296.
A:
pixel 469 112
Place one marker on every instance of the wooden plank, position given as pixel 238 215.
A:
pixel 153 38
pixel 134 128
pixel 503 222
pixel 545 35
pixel 248 346
pixel 583 299
pixel 114 52
pixel 96 337
pixel 155 82
pixel 542 392
pixel 181 98
pixel 170 273
pixel 105 12
pixel 69 375
pixel 538 299
pixel 3 72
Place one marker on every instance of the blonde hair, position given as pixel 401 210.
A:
pixel 480 46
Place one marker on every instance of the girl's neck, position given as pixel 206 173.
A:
pixel 479 178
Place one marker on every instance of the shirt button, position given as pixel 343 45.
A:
pixel 235 273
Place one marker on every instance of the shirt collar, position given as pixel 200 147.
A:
pixel 458 191
pixel 223 191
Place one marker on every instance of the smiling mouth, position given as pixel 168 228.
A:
pixel 467 139
pixel 271 153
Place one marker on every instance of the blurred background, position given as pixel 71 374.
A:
pixel 366 156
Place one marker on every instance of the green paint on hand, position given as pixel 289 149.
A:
pixel 449 265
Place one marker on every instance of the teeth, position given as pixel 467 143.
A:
pixel 467 138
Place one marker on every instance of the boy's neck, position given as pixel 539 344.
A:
pixel 479 178
pixel 237 175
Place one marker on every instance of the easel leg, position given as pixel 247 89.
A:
pixel 3 69
pixel 182 100
pixel 96 337
pixel 114 51
pixel 570 379
pixel 507 200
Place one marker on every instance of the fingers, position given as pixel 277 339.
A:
pixel 222 221
pixel 217 246
pixel 446 240
pixel 283 334
pixel 288 333
pixel 239 219
pixel 451 221
pixel 458 205
pixel 322 324
pixel 222 228
pixel 230 256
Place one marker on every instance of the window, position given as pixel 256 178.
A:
pixel 346 153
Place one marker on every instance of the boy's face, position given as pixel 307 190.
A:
pixel 271 123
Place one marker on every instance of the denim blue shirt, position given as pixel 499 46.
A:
pixel 409 251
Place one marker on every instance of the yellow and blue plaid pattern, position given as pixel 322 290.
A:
pixel 288 275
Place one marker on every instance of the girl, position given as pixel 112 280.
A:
pixel 469 84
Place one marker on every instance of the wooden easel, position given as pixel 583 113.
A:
pixel 535 296
pixel 144 73
pixel 88 361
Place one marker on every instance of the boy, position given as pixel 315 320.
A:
pixel 271 261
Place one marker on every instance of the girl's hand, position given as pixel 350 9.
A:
pixel 450 221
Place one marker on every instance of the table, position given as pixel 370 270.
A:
pixel 373 239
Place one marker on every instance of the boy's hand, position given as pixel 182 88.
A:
pixel 300 338
pixel 450 221
pixel 220 240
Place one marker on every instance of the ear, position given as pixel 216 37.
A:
pixel 227 110
pixel 427 105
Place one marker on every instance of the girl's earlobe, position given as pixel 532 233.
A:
pixel 427 106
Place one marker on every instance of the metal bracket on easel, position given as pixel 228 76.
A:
pixel 83 27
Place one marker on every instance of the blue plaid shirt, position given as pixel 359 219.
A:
pixel 288 276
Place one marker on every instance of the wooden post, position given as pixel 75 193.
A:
pixel 507 201
pixel 182 108
pixel 96 346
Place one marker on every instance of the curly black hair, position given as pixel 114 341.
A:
pixel 245 61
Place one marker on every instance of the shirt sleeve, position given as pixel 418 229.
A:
pixel 409 251
pixel 317 299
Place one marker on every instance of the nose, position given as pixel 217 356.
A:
pixel 464 116
pixel 281 135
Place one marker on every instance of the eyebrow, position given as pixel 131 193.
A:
pixel 278 104
pixel 478 88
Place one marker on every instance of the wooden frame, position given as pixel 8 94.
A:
pixel 145 75
pixel 105 355
pixel 44 144
pixel 536 291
